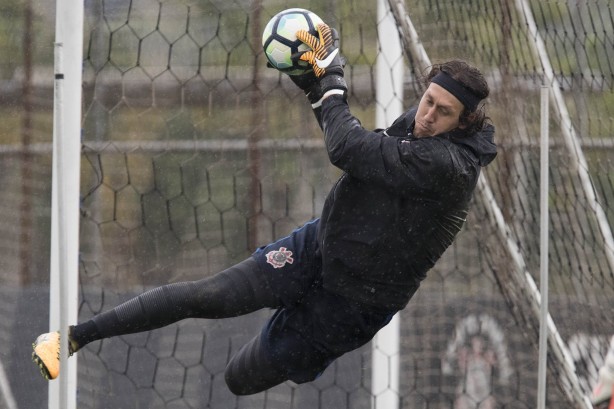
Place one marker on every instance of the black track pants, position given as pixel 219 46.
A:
pixel 236 291
pixel 251 370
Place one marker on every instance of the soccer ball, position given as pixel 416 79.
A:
pixel 279 39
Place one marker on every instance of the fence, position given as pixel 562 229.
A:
pixel 194 153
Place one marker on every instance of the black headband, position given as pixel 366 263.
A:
pixel 462 93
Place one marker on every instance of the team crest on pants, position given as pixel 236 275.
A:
pixel 279 258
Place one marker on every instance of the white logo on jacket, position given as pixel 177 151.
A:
pixel 279 258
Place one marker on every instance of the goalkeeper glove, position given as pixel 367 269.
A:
pixel 307 82
pixel 325 59
pixel 310 85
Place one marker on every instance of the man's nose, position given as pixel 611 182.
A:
pixel 430 115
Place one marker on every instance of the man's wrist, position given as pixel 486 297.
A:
pixel 327 94
pixel 331 84
pixel 333 81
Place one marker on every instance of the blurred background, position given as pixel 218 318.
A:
pixel 194 154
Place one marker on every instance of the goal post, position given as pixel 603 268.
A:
pixel 386 348
pixel 64 270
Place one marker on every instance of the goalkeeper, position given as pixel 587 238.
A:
pixel 337 280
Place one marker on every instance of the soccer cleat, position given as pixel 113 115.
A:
pixel 602 393
pixel 46 354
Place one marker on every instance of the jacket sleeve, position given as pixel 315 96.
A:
pixel 416 166
pixel 317 112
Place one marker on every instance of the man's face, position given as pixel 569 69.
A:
pixel 438 112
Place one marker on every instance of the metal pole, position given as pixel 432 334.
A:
pixel 389 94
pixel 63 287
pixel 543 244
pixel 60 212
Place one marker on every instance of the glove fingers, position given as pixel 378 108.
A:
pixel 310 58
pixel 321 28
pixel 317 70
pixel 326 41
pixel 308 39
pixel 326 35
pixel 307 56
pixel 298 55
pixel 324 48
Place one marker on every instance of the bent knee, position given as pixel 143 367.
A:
pixel 237 384
pixel 251 370
pixel 243 380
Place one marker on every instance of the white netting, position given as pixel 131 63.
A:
pixel 194 153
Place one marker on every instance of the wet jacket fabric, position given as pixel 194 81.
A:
pixel 398 205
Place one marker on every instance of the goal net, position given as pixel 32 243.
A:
pixel 194 153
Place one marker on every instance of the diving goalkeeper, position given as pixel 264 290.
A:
pixel 337 280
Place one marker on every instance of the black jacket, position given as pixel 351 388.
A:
pixel 397 207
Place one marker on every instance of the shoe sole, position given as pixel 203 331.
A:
pixel 43 368
pixel 41 365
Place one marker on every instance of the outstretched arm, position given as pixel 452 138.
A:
pixel 326 77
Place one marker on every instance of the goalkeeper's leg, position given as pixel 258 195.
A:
pixel 277 354
pixel 299 342
pixel 238 290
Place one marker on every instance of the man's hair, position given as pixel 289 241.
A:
pixel 472 79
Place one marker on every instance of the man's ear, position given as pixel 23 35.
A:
pixel 465 120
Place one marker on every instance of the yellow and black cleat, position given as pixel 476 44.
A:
pixel 47 354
